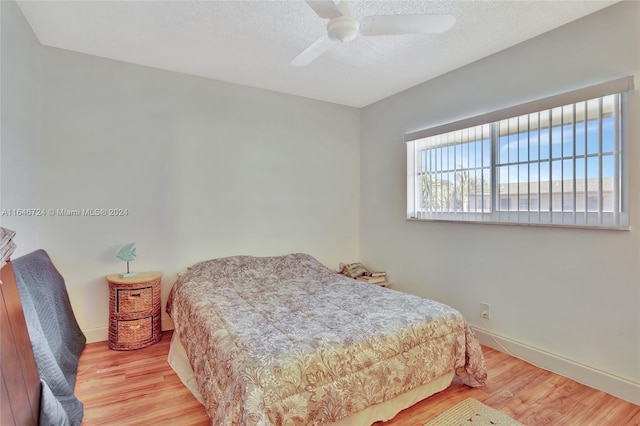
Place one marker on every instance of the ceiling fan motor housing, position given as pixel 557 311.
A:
pixel 343 28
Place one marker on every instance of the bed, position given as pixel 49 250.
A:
pixel 285 340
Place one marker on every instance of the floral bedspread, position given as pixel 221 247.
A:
pixel 285 340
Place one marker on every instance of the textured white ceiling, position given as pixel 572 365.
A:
pixel 252 42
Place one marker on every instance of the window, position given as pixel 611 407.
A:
pixel 547 162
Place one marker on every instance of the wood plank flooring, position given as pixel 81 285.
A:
pixel 139 388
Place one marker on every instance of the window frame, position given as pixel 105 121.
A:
pixel 618 220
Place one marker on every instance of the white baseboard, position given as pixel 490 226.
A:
pixel 101 334
pixel 597 379
pixel 93 335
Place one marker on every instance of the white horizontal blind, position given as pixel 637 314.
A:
pixel 563 165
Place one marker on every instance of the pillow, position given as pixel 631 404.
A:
pixel 352 270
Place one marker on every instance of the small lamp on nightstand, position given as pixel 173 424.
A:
pixel 128 254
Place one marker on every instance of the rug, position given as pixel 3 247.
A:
pixel 472 412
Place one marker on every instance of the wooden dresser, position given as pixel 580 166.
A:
pixel 20 387
pixel 134 311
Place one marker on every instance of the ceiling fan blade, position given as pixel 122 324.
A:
pixel 325 8
pixel 312 52
pixel 406 24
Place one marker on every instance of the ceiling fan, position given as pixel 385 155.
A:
pixel 342 27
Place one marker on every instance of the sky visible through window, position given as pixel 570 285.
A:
pixel 528 151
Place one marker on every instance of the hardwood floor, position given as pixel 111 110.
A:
pixel 139 388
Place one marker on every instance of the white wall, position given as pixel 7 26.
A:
pixel 568 293
pixel 204 168
pixel 19 124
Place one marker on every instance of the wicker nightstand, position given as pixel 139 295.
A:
pixel 134 311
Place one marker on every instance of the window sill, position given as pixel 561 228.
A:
pixel 538 225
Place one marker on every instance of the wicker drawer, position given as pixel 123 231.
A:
pixel 134 311
pixel 134 300
pixel 138 330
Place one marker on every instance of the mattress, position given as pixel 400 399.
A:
pixel 285 340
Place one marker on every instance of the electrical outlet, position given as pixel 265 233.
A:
pixel 485 311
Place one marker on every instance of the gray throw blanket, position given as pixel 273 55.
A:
pixel 56 338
